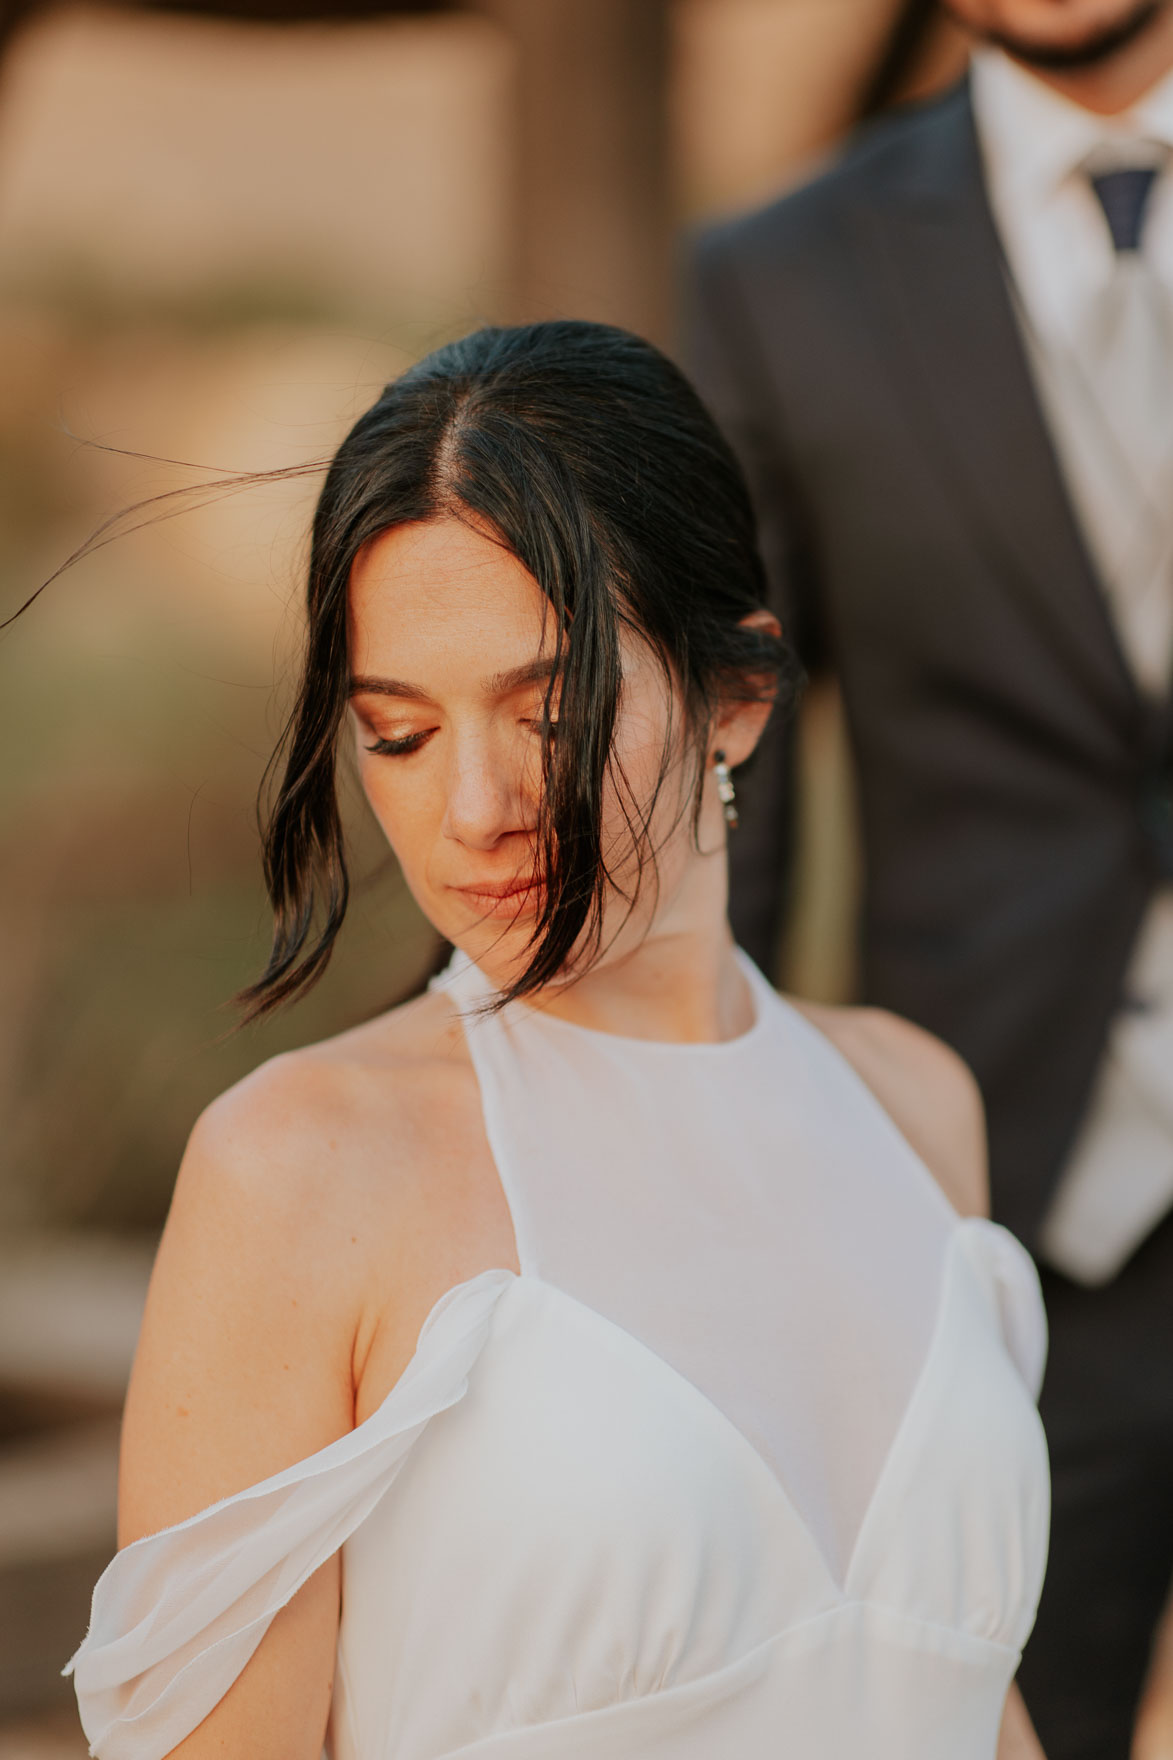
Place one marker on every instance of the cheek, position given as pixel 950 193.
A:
pixel 403 807
pixel 645 772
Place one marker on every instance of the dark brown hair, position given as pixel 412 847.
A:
pixel 589 456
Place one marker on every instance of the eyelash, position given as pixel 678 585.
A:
pixel 398 748
pixel 402 748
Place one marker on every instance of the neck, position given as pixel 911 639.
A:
pixel 1121 81
pixel 680 991
pixel 676 980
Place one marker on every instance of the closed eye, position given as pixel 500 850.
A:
pixel 399 748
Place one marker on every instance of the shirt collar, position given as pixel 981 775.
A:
pixel 1153 116
pixel 1033 137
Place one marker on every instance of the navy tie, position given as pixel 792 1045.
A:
pixel 1124 197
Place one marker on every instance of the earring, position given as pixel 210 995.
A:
pixel 725 790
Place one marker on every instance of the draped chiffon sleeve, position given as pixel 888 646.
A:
pixel 1020 1302
pixel 177 1616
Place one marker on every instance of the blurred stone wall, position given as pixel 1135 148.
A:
pixel 354 168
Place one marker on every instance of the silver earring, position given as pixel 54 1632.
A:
pixel 725 790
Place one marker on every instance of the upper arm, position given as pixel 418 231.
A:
pixel 1016 1738
pixel 243 1360
pixel 243 1368
pixel 930 1094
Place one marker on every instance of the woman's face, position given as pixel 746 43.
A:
pixel 452 649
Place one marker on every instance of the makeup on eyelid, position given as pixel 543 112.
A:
pixel 397 747
pixel 402 745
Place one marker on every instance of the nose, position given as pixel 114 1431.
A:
pixel 487 797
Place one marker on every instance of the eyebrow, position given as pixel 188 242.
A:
pixel 499 685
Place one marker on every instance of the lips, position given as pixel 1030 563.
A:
pixel 508 898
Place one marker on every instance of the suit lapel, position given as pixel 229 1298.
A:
pixel 943 295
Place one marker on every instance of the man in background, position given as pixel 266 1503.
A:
pixel 947 365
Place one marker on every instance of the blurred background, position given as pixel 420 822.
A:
pixel 222 229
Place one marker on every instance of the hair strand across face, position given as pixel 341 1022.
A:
pixel 585 452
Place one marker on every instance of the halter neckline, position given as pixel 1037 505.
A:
pixel 464 980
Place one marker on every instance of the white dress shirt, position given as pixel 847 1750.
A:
pixel 1104 415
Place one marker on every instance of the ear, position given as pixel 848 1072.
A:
pixel 739 725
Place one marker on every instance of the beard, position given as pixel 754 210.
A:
pixel 1091 51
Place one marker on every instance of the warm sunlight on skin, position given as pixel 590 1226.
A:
pixel 451 651
pixel 327 1203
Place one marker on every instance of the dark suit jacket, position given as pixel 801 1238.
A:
pixel 858 343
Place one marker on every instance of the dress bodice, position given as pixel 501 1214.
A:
pixel 744 1462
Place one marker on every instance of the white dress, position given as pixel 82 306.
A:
pixel 744 1464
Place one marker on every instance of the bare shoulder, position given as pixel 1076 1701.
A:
pixel 328 1176
pixel 305 1113
pixel 308 1140
pixel 318 1214
pixel 927 1090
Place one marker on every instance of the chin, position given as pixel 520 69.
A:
pixel 502 950
pixel 1087 44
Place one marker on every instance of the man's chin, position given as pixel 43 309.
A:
pixel 1089 51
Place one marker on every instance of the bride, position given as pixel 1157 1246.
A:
pixel 599 1355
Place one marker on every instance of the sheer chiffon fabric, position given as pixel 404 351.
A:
pixel 745 1461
